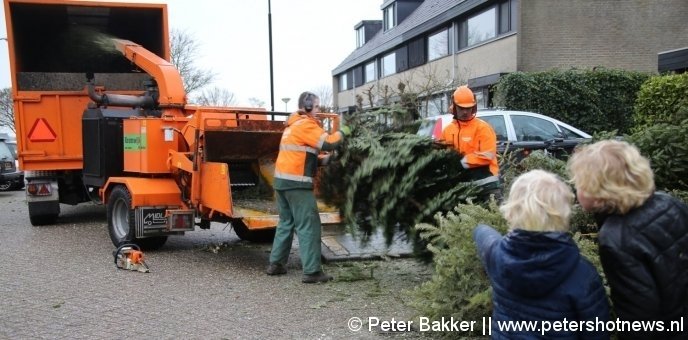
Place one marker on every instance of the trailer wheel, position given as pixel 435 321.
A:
pixel 257 236
pixel 122 221
pixel 43 213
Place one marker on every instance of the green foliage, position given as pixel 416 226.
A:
pixel 666 146
pixel 392 180
pixel 680 194
pixel 604 135
pixel 661 99
pixel 536 160
pixel 459 287
pixel 592 100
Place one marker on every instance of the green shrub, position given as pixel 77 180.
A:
pixel 661 99
pixel 666 146
pixel 536 160
pixel 459 287
pixel 592 100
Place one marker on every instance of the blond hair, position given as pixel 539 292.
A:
pixel 614 173
pixel 538 201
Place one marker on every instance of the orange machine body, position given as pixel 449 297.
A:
pixel 147 142
pixel 105 118
pixel 48 84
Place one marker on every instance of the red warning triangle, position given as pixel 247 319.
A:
pixel 41 131
pixel 44 190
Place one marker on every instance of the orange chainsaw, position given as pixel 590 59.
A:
pixel 130 257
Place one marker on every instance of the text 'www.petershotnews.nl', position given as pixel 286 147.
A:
pixel 486 325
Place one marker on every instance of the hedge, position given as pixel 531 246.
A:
pixel 662 99
pixel 591 100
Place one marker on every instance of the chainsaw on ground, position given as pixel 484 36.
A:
pixel 130 257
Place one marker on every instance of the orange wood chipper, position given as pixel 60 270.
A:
pixel 101 115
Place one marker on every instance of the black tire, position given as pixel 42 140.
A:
pixel 256 236
pixel 122 222
pixel 43 213
pixel 5 186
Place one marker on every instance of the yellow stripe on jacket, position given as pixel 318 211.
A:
pixel 301 143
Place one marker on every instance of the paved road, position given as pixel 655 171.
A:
pixel 60 282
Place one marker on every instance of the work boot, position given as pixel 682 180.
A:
pixel 276 269
pixel 316 277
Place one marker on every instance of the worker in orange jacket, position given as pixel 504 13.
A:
pixel 295 171
pixel 474 139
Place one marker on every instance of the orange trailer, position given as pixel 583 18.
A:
pixel 101 115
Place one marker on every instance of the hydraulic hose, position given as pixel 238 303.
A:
pixel 123 100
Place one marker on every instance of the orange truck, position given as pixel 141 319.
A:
pixel 101 115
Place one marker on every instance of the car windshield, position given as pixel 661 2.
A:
pixel 5 153
pixel 13 149
pixel 569 133
pixel 498 125
pixel 534 129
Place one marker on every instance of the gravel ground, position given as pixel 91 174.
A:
pixel 59 281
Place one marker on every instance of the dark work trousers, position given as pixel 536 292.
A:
pixel 298 212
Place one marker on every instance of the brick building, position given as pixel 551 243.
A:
pixel 432 45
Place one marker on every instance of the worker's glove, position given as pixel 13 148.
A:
pixel 346 131
pixel 464 162
pixel 440 144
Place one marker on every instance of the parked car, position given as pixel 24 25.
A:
pixel 10 177
pixel 519 131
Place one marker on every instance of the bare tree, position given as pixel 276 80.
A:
pixel 359 102
pixel 370 94
pixel 7 109
pixel 255 102
pixel 183 52
pixel 324 92
pixel 216 97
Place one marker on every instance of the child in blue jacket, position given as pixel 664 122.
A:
pixel 536 270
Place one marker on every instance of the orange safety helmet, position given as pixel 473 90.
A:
pixel 464 97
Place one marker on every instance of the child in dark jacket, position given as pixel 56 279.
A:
pixel 643 239
pixel 536 270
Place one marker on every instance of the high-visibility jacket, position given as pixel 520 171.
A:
pixel 477 142
pixel 301 143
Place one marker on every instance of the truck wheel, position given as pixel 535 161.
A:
pixel 5 186
pixel 257 236
pixel 43 213
pixel 122 221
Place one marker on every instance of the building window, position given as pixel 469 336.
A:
pixel 504 18
pixel 498 19
pixel 434 106
pixel 389 64
pixel 438 45
pixel 389 16
pixel 481 27
pixel 370 71
pixel 360 36
pixel 343 82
